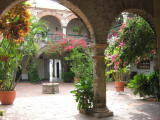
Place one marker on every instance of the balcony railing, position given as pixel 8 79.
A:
pixel 116 27
pixel 55 38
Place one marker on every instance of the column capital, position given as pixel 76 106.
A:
pixel 125 13
pixel 63 26
pixel 98 49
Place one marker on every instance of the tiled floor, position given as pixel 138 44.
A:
pixel 31 104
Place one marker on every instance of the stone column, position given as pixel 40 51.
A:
pixel 99 83
pixel 64 29
pixel 125 15
pixel 157 22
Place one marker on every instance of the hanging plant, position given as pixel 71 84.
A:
pixel 75 29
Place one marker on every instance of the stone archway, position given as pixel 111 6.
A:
pixel 97 16
pixel 50 13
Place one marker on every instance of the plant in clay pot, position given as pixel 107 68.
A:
pixel 117 68
pixel 15 26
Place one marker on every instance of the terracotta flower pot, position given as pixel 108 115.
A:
pixel 7 97
pixel 76 80
pixel 119 86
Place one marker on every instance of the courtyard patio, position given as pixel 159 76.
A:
pixel 31 104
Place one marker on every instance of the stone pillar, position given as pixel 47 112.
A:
pixel 157 22
pixel 125 15
pixel 99 83
pixel 64 29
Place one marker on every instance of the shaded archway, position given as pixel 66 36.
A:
pixel 97 17
pixel 50 13
pixel 75 23
pixel 53 24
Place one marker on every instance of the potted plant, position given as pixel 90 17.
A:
pixel 75 29
pixel 117 68
pixel 13 48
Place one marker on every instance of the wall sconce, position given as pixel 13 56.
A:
pixel 56 28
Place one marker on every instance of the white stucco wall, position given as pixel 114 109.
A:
pixel 23 62
pixel 145 71
pixel 53 23
pixel 75 23
pixel 41 70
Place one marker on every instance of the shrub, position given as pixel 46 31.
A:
pixel 34 77
pixel 67 76
pixel 145 85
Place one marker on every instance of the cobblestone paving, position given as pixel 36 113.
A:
pixel 31 104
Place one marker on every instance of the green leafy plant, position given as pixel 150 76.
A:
pixel 81 63
pixel 84 94
pixel 136 41
pixel 84 88
pixel 68 76
pixel 75 29
pixel 139 85
pixel 12 51
pixel 34 76
pixel 1 112
pixel 145 85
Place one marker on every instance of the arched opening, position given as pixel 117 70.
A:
pixel 98 21
pixel 130 37
pixel 75 23
pixel 53 24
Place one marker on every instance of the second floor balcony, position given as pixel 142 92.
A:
pixel 55 37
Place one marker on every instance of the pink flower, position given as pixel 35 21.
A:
pixel 108 37
pixel 127 41
pixel 128 18
pixel 130 46
pixel 116 66
pixel 114 57
pixel 63 38
pixel 115 34
pixel 137 62
pixel 124 64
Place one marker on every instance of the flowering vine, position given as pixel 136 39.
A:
pixel 65 45
pixel 135 42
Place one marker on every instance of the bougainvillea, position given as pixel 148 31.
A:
pixel 136 41
pixel 65 45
